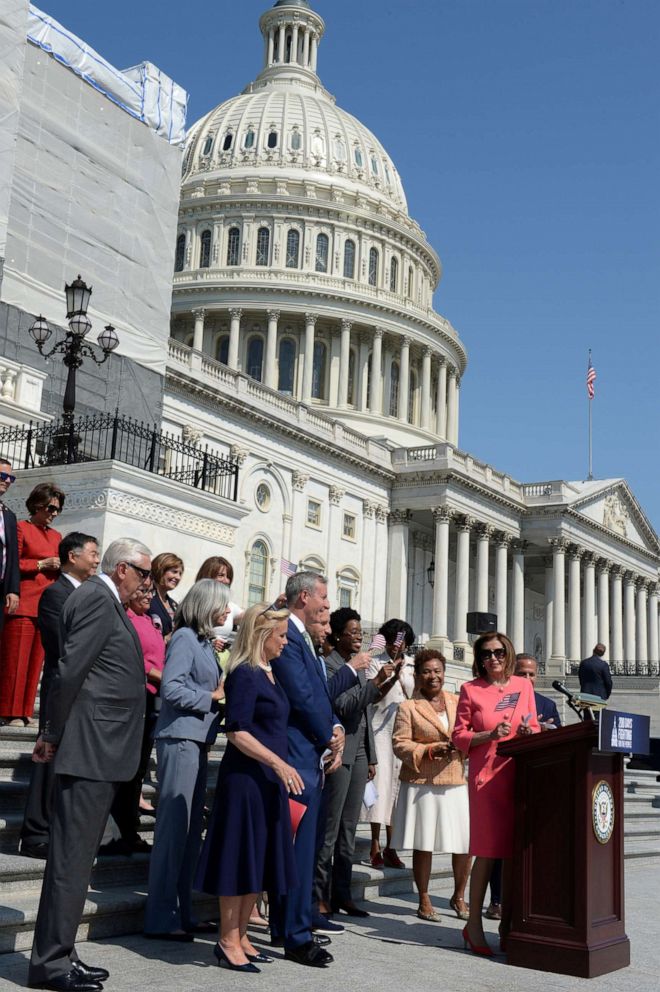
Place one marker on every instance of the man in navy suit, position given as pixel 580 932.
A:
pixel 546 710
pixel 9 574
pixel 316 743
pixel 594 674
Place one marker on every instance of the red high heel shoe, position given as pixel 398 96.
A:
pixel 484 951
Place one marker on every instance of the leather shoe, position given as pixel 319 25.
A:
pixel 309 954
pixel 88 971
pixel 72 981
pixel 318 938
pixel 38 850
pixel 349 908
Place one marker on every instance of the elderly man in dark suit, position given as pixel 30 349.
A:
pixel 79 559
pixel 594 674
pixel 9 575
pixel 93 733
pixel 546 709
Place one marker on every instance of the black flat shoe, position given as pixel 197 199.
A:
pixel 89 971
pixel 180 938
pixel 259 958
pixel 350 909
pixel 224 962
pixel 309 954
pixel 72 981
pixel 34 850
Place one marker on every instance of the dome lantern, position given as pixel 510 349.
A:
pixel 292 32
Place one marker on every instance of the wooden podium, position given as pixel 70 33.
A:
pixel 567 890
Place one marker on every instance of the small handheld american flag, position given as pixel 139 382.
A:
pixel 591 378
pixel 508 701
pixel 287 567
pixel 399 639
pixel 377 644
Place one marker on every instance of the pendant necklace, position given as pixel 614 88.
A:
pixel 266 667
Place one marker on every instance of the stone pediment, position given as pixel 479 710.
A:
pixel 612 505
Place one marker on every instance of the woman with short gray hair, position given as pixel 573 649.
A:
pixel 187 725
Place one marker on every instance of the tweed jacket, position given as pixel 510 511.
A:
pixel 416 727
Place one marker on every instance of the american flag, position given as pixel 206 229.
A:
pixel 377 644
pixel 287 567
pixel 507 702
pixel 591 378
pixel 399 639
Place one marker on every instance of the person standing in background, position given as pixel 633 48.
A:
pixel 167 570
pixel 594 674
pixel 9 574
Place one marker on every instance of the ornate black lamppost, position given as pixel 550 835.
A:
pixel 430 573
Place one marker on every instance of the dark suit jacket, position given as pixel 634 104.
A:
pixel 96 699
pixel 51 604
pixel 11 581
pixel 595 678
pixel 546 710
pixel 311 718
pixel 351 706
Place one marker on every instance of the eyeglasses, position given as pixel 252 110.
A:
pixel 7 477
pixel 273 608
pixel 498 653
pixel 144 572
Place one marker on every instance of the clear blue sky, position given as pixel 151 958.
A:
pixel 527 136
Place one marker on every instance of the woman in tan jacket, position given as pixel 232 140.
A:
pixel 432 812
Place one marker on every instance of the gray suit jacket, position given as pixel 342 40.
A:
pixel 95 710
pixel 190 675
pixel 351 706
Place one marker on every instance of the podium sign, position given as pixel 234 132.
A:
pixel 627 733
pixel 567 875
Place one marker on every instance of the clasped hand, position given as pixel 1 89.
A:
pixel 43 752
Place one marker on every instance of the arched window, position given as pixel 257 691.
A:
pixel 222 349
pixel 373 266
pixel 347 588
pixel 180 254
pixel 263 246
pixel 258 573
pixel 411 277
pixel 205 250
pixel 248 141
pixel 287 366
pixel 271 141
pixel 318 374
pixel 226 144
pixel 296 141
pixel 233 245
pixel 357 157
pixel 349 259
pixel 394 274
pixel 208 145
pixel 255 357
pixel 340 150
pixel 292 248
pixel 322 251
pixel 374 165
pixel 394 390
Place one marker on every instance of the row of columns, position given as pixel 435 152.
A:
pixel 444 422
pixel 305 54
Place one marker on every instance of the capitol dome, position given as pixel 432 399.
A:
pixel 297 261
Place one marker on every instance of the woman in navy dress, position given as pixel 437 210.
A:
pixel 249 843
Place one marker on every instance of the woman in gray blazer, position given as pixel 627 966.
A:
pixel 187 726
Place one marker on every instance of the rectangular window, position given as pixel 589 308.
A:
pixel 349 526
pixel 313 513
pixel 345 598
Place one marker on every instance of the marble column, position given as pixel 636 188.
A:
pixel 308 363
pixel 441 404
pixel 306 38
pixel 294 44
pixel 483 532
pixel 368 567
pixel 457 411
pixel 654 652
pixel 280 48
pixel 642 629
pixel 501 574
pixel 397 571
pixel 314 55
pixel 271 46
pixel 451 406
pixel 549 588
pixel 574 641
pixel 589 635
pixel 344 357
pixel 558 660
pixel 333 547
pixel 376 384
pixel 404 379
pixel 271 349
pixel 416 589
pixel 604 605
pixel 518 595
pixel 440 626
pixel 462 599
pixel 616 613
pixel 362 403
pixel 299 481
pixel 234 331
pixel 198 333
pixel 425 412
pixel 629 646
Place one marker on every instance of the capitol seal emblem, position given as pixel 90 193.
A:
pixel 602 811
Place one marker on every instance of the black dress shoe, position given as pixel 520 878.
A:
pixel 72 981
pixel 224 962
pixel 350 909
pixel 39 850
pixel 116 849
pixel 309 954
pixel 318 938
pixel 88 971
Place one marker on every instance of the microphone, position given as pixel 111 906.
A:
pixel 560 687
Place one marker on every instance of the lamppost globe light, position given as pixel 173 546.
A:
pixel 77 297
pixel 80 324
pixel 40 330
pixel 108 339
pixel 430 573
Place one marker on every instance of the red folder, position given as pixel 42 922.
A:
pixel 296 812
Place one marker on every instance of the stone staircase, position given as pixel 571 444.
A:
pixel 116 898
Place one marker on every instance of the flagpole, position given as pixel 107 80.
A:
pixel 590 401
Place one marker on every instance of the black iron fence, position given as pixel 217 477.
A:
pixel 648 668
pixel 108 436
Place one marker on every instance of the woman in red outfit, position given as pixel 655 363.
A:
pixel 495 706
pixel 39 564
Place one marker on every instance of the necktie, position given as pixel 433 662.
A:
pixel 310 644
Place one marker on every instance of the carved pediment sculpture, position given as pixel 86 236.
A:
pixel 615 515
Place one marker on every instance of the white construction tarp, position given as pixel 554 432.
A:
pixel 13 23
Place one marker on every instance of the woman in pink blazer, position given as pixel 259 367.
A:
pixel 495 706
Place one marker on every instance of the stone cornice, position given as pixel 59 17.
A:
pixel 435 478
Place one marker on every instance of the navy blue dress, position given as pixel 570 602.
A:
pixel 249 844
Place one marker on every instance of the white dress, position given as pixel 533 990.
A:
pixel 383 715
pixel 432 817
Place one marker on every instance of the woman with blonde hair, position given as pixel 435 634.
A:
pixel 249 843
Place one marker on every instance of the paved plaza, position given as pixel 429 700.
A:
pixel 393 950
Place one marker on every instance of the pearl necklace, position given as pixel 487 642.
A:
pixel 266 667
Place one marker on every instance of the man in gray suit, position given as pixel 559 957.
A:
pixel 92 733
